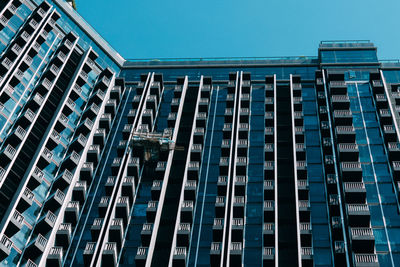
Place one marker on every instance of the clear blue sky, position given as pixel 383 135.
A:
pixel 224 28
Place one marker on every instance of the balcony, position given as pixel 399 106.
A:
pixel 240 185
pixel 298 118
pixel 36 247
pixel 351 171
pixel 46 158
pixel 103 206
pixel 381 101
pixel 171 120
pixel 355 192
pixel 244 115
pixel 187 209
pixel 17 136
pixel 62 124
pixel 306 234
pixel 303 189
pixel 160 169
pixel 55 201
pixel 190 190
pixel 269 211
pixel 133 167
pixel 36 179
pixel 221 185
pixel 269 151
pixel 110 254
pixel 358 215
pixel 109 185
pixel 122 209
pixel 269 167
pixel 79 192
pixel 299 134
pixel 183 235
pixel 217 229
pixel 88 253
pixel 225 147
pixel 269 188
pixel 269 134
pixel 195 152
pixel 45 86
pixel 111 107
pixel 145 234
pixel 55 257
pixel 71 161
pixel 269 234
pixel 72 211
pixel 201 119
pixel 340 102
pixel 215 254
pixel 301 168
pixel 25 201
pixel 394 150
pixel 366 260
pixel 362 240
pixel 116 93
pixel 205 90
pixel 334 205
pixel 45 223
pixel 128 188
pixel 152 103
pixel 268 256
pixel 141 256
pixel 243 130
pixel 148 117
pixel 348 152
pixel 151 211
pixel 15 224
pixel 239 204
pixel 323 112
pixel 85 127
pixel 193 170
pixel 338 87
pixel 304 210
pixel 116 232
pixel 300 152
pixel 93 154
pixel 203 105
pixel 7 63
pixel 79 142
pixel 63 180
pixel 307 256
pixel 237 229
pixel 345 134
pixel 343 117
pixel 99 137
pixel 116 164
pixel 63 235
pixel 86 172
pixel 241 165
pixel 55 140
pixel 5 247
pixel 385 117
pixel 96 228
pixel 90 112
pixel 331 180
pixel 7 154
pixel 220 206
pixel 236 253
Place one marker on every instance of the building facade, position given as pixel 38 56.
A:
pixel 220 162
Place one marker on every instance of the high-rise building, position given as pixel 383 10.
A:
pixel 204 162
